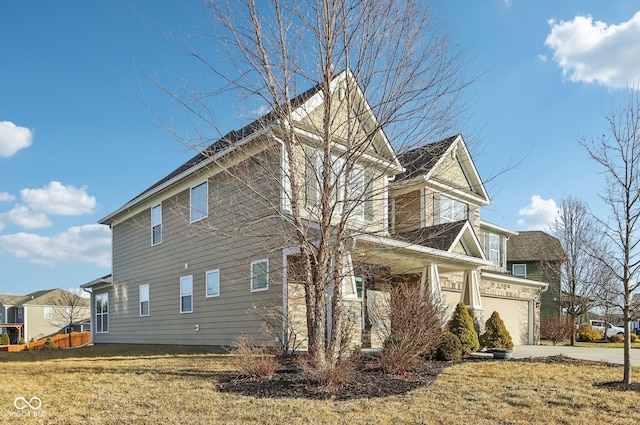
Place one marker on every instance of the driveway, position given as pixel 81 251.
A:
pixel 611 355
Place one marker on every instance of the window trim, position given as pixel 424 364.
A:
pixel 206 286
pixel 154 225
pixel 254 263
pixel 101 314
pixel 438 201
pixel 141 300
pixel 184 278
pixel 513 268
pixel 47 312
pixel 191 209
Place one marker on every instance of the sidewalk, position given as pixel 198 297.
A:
pixel 611 355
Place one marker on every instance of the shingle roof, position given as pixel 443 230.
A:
pixel 421 160
pixel 44 297
pixel 11 299
pixel 439 236
pixel 534 245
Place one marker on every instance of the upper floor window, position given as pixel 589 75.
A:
pixel 519 270
pixel 492 246
pixel 446 210
pixel 199 203
pixel 213 283
pixel 156 224
pixel 144 300
pixel 48 312
pixel 20 313
pixel 186 294
pixel 260 275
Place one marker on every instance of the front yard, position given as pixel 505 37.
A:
pixel 139 385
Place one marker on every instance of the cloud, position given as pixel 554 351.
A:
pixel 539 214
pixel 90 243
pixel 13 138
pixel 594 52
pixel 25 218
pixel 58 199
pixel 6 197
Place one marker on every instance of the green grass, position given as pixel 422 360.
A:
pixel 149 385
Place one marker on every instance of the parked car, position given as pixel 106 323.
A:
pixel 601 326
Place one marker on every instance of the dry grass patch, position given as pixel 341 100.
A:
pixel 120 386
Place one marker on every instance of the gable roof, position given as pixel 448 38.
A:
pixel 44 297
pixel 421 163
pixel 534 245
pixel 301 104
pixel 445 237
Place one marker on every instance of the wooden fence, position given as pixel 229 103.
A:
pixel 74 339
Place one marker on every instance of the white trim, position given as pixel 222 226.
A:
pixel 95 298
pixel 140 300
pixel 157 224
pixel 206 283
pixel 253 263
pixel 206 184
pixel 486 226
pixel 505 278
pixel 190 277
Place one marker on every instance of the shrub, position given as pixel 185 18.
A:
pixel 588 334
pixel 5 339
pixel 253 360
pixel 329 378
pixel 21 341
pixel 450 348
pixel 634 338
pixel 49 345
pixel 461 325
pixel 412 330
pixel 496 334
pixel 557 328
pixel 617 338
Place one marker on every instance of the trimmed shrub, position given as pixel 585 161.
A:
pixel 450 348
pixel 496 334
pixel 49 345
pixel 587 334
pixel 461 325
pixel 617 338
pixel 557 328
pixel 5 339
pixel 21 341
pixel 253 360
pixel 634 338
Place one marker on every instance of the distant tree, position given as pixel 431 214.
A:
pixel 69 307
pixel 618 153
pixel 558 328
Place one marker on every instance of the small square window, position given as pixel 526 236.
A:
pixel 213 283
pixel 519 270
pixel 260 275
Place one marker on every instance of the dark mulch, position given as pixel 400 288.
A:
pixel 369 382
pixel 618 386
pixel 561 358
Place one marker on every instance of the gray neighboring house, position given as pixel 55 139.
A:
pixel 538 256
pixel 41 314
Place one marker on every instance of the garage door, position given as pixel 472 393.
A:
pixel 514 314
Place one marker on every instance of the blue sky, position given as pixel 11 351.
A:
pixel 77 139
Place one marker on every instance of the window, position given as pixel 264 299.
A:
pixel 311 177
pixel 368 195
pixel 494 249
pixel 199 201
pixel 156 224
pixel 259 275
pixel 144 300
pixel 519 270
pixel 359 286
pixel 102 313
pixel 48 313
pixel 20 313
pixel 186 294
pixel 446 210
pixel 357 190
pixel 213 283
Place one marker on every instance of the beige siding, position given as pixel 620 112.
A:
pixel 39 327
pixel 407 210
pixel 450 173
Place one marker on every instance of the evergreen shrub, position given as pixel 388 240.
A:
pixel 461 325
pixel 496 334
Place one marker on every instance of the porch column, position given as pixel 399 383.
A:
pixel 430 280
pixel 471 298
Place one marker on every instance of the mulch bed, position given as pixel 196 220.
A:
pixel 372 382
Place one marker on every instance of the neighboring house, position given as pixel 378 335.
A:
pixel 41 314
pixel 182 275
pixel 538 256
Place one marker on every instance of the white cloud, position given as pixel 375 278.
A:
pixel 59 199
pixel 90 243
pixel 13 138
pixel 539 214
pixel 542 58
pixel 595 52
pixel 24 217
pixel 6 197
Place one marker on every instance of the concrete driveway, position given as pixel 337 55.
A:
pixel 611 355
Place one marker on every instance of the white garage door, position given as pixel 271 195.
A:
pixel 514 314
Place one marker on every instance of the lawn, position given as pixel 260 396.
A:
pixel 138 385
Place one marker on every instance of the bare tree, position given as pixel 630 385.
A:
pixel 69 308
pixel 582 278
pixel 619 155
pixel 385 71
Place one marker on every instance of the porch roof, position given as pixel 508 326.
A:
pixel 405 257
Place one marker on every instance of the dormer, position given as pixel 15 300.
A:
pixel 493 240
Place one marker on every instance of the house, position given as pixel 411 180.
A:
pixel 42 313
pixel 197 250
pixel 538 256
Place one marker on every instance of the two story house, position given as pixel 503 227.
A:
pixel 202 247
